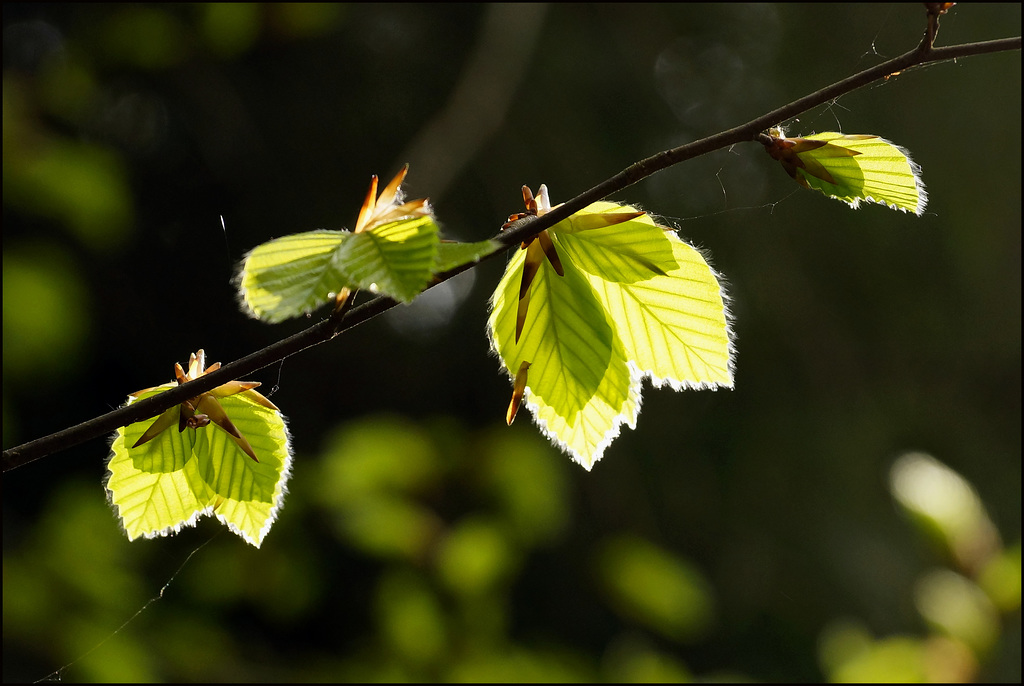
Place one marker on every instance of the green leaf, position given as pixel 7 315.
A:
pixel 291 276
pixel 392 251
pixel 394 258
pixel 296 274
pixel 579 387
pixel 669 308
pixel 171 481
pixel 451 254
pixel 852 168
pixel 634 302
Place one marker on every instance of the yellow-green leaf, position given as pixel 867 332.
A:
pixel 634 302
pixel 580 390
pixel 392 251
pixel 291 276
pixel 452 254
pixel 171 481
pixel 394 258
pixel 667 307
pixel 852 168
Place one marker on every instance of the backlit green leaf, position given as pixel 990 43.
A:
pixel 452 254
pixel 664 299
pixel 394 259
pixel 852 168
pixel 163 484
pixel 291 276
pixel 579 387
pixel 634 302
pixel 392 251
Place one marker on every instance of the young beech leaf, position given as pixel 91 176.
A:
pixel 391 251
pixel 632 301
pixel 452 254
pixel 223 453
pixel 852 168
pixel 395 259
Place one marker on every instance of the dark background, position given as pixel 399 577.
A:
pixel 735 534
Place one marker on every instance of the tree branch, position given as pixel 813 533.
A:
pixel 335 324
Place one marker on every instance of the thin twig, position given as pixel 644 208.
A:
pixel 345 319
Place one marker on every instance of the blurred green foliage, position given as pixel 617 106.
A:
pixel 742 535
pixel 959 608
pixel 438 602
pixel 47 303
pixel 655 589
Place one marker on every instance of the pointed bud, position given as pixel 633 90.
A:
pixel 165 421
pixel 518 390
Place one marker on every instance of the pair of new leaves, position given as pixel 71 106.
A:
pixel 585 311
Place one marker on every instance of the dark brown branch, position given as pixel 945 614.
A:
pixel 749 131
pixel 343 320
